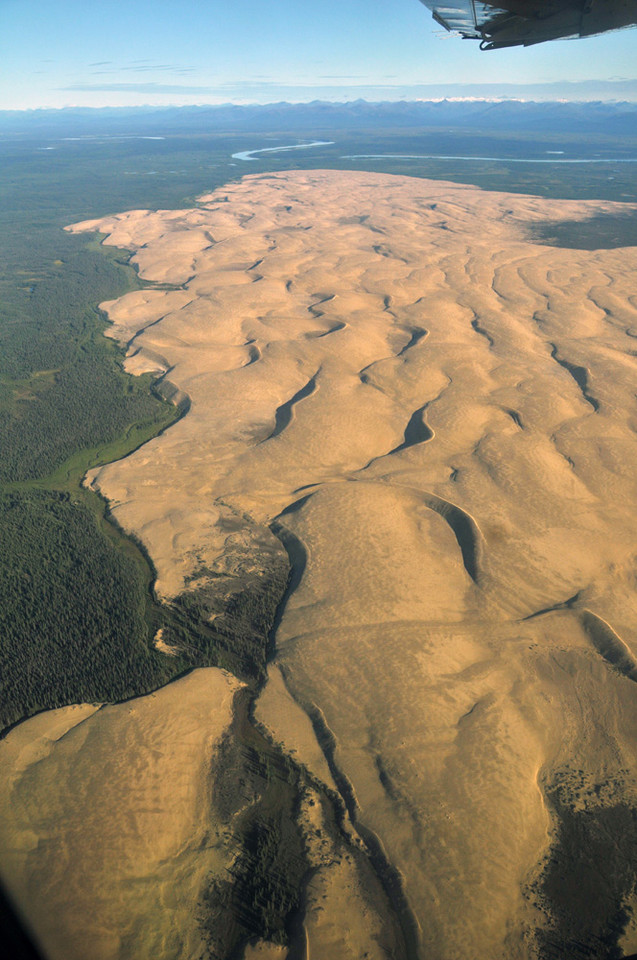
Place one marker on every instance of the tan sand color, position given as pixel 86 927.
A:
pixel 107 835
pixel 441 414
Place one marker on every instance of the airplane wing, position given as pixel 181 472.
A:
pixel 511 23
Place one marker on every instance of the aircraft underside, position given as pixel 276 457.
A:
pixel 513 23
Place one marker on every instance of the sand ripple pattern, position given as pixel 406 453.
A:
pixel 451 409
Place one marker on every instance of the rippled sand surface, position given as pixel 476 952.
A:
pixel 107 836
pixel 440 414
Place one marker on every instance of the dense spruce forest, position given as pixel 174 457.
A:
pixel 63 388
pixel 73 610
pixel 77 615
pixel 73 595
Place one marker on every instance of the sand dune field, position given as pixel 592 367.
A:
pixel 436 416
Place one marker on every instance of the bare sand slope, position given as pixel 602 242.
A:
pixel 441 416
pixel 107 837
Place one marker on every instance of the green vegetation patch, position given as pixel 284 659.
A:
pixel 257 791
pixel 231 631
pixel 589 875
pixel 62 386
pixel 77 615
pixel 605 232
pixel 72 611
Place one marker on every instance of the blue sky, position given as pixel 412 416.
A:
pixel 56 53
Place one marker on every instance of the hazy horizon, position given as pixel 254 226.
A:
pixel 576 92
pixel 247 54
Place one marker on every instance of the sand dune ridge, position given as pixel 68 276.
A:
pixel 436 417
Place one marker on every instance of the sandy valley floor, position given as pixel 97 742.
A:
pixel 440 416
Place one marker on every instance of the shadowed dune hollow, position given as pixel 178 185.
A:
pixel 436 417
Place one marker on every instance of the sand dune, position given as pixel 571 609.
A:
pixel 439 414
pixel 107 834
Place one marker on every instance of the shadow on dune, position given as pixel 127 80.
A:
pixel 284 413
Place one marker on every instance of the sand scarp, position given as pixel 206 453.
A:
pixel 284 413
